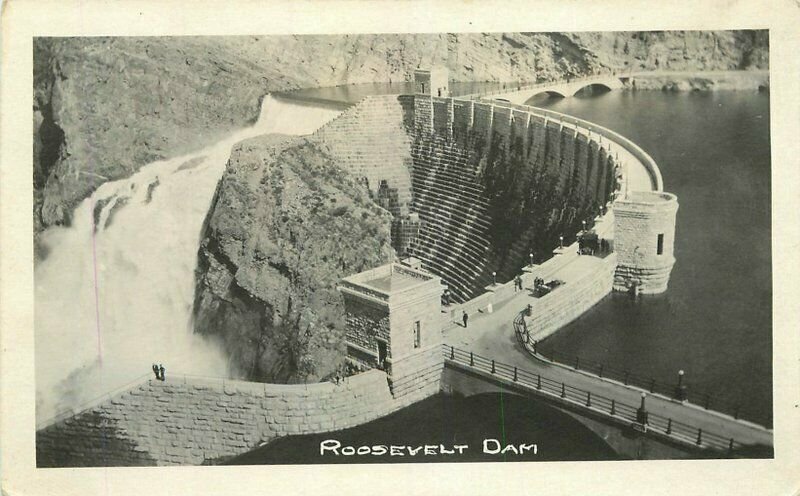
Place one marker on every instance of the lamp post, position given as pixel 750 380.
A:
pixel 561 241
pixel 494 277
pixel 531 257
pixel 584 225
pixel 680 390
pixel 641 413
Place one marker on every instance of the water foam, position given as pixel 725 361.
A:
pixel 115 292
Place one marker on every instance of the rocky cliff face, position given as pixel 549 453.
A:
pixel 285 226
pixel 103 107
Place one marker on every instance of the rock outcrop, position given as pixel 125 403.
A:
pixel 285 226
pixel 103 107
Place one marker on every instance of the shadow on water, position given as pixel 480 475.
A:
pixel 449 420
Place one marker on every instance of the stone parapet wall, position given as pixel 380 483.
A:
pixel 193 421
pixel 566 303
pixel 418 374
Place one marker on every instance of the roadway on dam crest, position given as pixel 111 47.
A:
pixel 491 335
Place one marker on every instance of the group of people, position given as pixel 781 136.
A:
pixel 158 370
pixel 517 283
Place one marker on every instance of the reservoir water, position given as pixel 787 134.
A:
pixel 715 320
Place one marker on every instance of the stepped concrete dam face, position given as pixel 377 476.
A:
pixel 478 191
pixel 475 188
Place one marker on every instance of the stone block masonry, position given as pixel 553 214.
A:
pixel 644 236
pixel 568 302
pixel 370 141
pixel 196 421
pixel 493 183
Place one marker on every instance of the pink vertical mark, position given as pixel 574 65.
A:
pixel 96 285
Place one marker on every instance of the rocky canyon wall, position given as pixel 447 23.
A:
pixel 286 224
pixel 105 106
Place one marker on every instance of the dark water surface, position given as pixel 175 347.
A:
pixel 715 320
pixel 449 421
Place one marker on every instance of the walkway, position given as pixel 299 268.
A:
pixel 492 336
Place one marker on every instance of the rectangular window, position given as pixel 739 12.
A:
pixel 416 334
pixel 660 244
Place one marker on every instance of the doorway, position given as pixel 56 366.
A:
pixel 382 355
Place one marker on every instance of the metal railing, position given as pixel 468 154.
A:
pixel 706 400
pixel 511 87
pixel 581 398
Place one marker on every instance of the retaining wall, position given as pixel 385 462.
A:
pixel 568 302
pixel 195 421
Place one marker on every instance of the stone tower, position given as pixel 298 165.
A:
pixel 644 235
pixel 433 81
pixel 394 322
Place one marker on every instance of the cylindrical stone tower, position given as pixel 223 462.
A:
pixel 644 236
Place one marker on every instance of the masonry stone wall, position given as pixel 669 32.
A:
pixel 370 140
pixel 366 323
pixel 568 302
pixel 639 221
pixel 493 183
pixel 418 375
pixel 196 421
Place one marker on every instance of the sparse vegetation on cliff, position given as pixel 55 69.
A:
pixel 286 225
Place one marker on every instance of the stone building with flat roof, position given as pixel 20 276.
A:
pixel 394 323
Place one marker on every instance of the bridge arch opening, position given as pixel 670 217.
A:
pixel 544 96
pixel 591 90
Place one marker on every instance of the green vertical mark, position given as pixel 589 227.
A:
pixel 502 422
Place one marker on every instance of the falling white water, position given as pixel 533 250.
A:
pixel 114 298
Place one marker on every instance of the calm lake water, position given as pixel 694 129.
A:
pixel 715 320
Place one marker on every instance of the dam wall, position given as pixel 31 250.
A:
pixel 371 142
pixel 493 183
pixel 476 187
pixel 195 421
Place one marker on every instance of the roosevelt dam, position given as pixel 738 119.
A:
pixel 510 222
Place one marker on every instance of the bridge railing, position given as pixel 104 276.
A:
pixel 707 400
pixel 643 157
pixel 511 87
pixel 539 384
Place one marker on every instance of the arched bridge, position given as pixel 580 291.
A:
pixel 635 428
pixel 521 93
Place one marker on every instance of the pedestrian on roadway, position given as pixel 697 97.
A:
pixel 517 283
pixel 465 318
pixel 155 371
pixel 161 369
